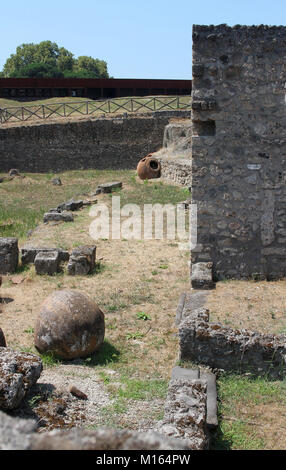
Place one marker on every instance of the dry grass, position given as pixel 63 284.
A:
pixel 137 285
pixel 133 276
pixel 258 306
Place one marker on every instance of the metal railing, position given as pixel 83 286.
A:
pixel 89 108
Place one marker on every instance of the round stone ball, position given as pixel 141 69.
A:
pixel 70 325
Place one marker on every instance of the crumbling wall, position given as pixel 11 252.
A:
pixel 103 143
pixel 221 347
pixel 239 148
pixel 175 156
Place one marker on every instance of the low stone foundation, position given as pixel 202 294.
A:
pixel 20 434
pixel 221 347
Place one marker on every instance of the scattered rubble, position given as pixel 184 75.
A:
pixel 19 371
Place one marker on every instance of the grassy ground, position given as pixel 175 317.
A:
pixel 252 414
pixel 75 108
pixel 252 411
pixel 131 284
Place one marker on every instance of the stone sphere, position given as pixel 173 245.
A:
pixel 70 325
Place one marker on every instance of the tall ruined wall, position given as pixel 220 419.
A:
pixel 114 143
pixel 239 149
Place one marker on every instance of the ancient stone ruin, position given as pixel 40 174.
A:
pixel 238 148
pixel 231 154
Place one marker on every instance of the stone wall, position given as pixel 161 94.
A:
pixel 239 149
pixel 221 347
pixel 103 143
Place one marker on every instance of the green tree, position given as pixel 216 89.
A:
pixel 57 59
pixel 38 70
pixel 94 67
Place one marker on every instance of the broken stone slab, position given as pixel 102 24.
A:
pixel 186 412
pixel 2 339
pixel 202 276
pixel 71 205
pixel 47 262
pixel 194 306
pixel 29 254
pixel 9 255
pixel 19 371
pixel 180 308
pixel 109 187
pixel 82 260
pixel 212 418
pixel 20 434
pixel 210 379
pixel 58 217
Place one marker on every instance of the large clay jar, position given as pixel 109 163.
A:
pixel 70 325
pixel 149 168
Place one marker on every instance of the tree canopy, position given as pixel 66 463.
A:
pixel 47 59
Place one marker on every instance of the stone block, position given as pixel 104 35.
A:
pixel 82 261
pixel 109 187
pixel 71 205
pixel 58 217
pixel 202 276
pixel 47 262
pixel 9 255
pixel 212 418
pixel 29 254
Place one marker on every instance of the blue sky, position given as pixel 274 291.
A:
pixel 138 39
